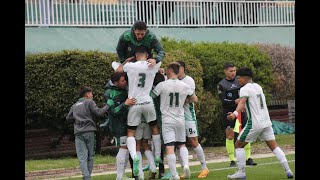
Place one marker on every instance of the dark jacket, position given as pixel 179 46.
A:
pixel 118 111
pixel 127 44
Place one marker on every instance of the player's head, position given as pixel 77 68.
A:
pixel 230 71
pixel 119 80
pixel 245 75
pixel 158 78
pixel 85 92
pixel 139 30
pixel 173 70
pixel 182 68
pixel 141 53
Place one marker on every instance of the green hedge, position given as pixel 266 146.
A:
pixel 214 55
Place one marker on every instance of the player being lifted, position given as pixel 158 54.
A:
pixel 141 78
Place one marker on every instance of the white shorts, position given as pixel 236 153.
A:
pixel 173 132
pixel 143 131
pixel 120 141
pixel 191 129
pixel 250 135
pixel 135 112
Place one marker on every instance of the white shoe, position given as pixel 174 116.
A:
pixel 237 175
pixel 186 172
pixel 174 177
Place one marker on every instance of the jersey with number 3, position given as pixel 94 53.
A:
pixel 173 94
pixel 140 78
pixel 256 107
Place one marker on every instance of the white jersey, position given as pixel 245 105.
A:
pixel 256 107
pixel 141 79
pixel 173 94
pixel 189 112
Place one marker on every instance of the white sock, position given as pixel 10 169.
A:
pixel 282 158
pixel 180 159
pixel 126 162
pixel 171 158
pixel 184 154
pixel 131 144
pixel 150 158
pixel 157 144
pixel 200 155
pixel 152 147
pixel 241 157
pixel 121 158
pixel 140 164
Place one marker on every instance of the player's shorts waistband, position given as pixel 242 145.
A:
pixel 148 102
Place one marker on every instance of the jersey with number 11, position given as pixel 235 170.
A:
pixel 140 78
pixel 173 94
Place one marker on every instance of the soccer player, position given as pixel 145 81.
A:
pixel 173 94
pixel 191 122
pixel 228 90
pixel 258 124
pixel 141 78
pixel 116 96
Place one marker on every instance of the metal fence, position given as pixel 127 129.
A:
pixel 158 13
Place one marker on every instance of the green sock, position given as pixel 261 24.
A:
pixel 230 149
pixel 247 149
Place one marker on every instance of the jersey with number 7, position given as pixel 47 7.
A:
pixel 256 107
pixel 173 94
pixel 140 78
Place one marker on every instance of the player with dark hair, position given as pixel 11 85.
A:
pixel 258 124
pixel 173 94
pixel 191 125
pixel 228 90
pixel 137 36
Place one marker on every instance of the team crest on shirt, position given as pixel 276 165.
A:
pixel 229 95
pixel 129 48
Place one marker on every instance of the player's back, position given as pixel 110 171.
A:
pixel 256 106
pixel 140 78
pixel 173 95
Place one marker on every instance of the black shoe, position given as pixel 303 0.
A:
pixel 250 162
pixel 233 164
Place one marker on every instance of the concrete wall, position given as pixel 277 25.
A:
pixel 43 39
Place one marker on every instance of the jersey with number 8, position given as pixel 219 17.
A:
pixel 140 78
pixel 256 107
